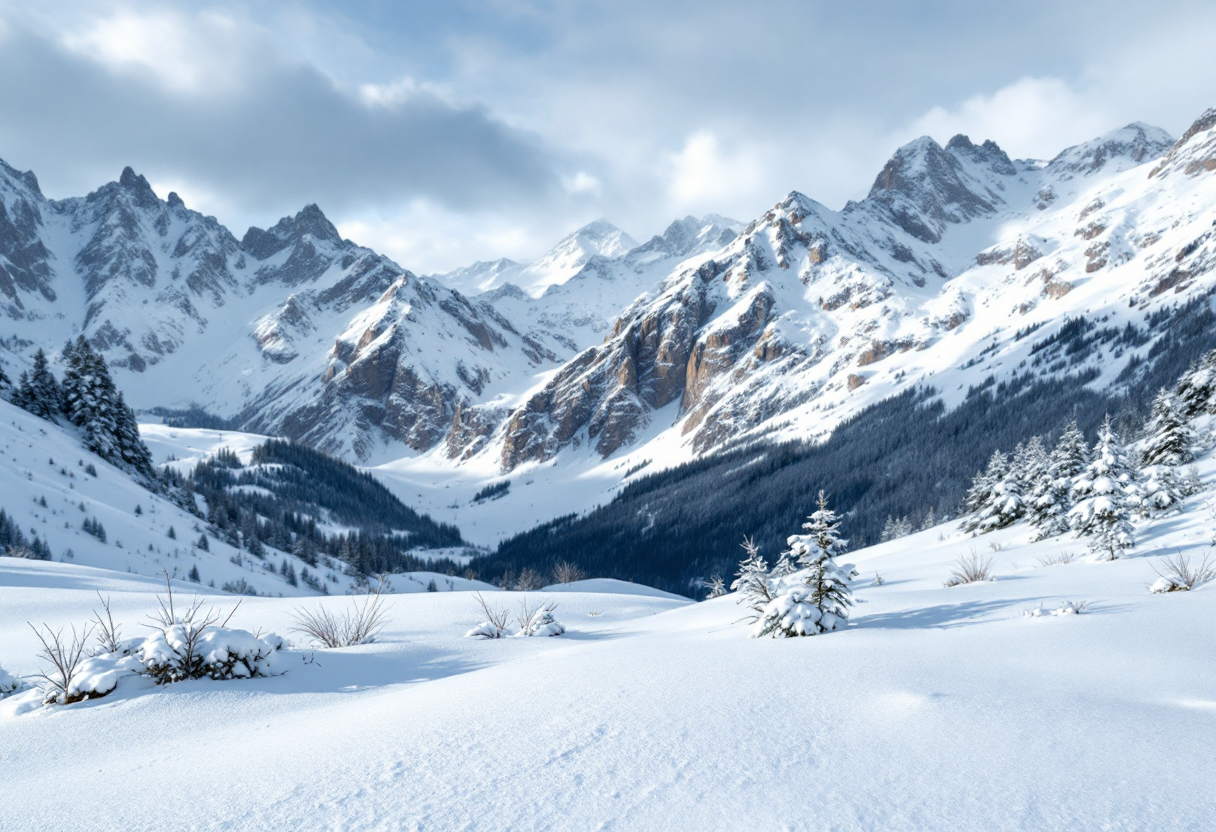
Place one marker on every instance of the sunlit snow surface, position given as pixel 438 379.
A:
pixel 943 709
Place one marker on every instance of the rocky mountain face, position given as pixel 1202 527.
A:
pixel 953 245
pixel 293 329
pixel 710 333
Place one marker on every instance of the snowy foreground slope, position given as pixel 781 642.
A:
pixel 944 709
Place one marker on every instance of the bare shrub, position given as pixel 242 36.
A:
pixel 970 569
pixel 566 572
pixel 878 580
pixel 715 587
pixel 64 658
pixel 358 625
pixel 107 631
pixel 495 620
pixel 529 579
pixel 1179 575
pixel 1057 559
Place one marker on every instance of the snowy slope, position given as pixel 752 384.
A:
pixel 40 461
pixel 936 708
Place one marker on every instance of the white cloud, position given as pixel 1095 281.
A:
pixel 1030 118
pixel 705 176
pixel 206 53
pixel 427 238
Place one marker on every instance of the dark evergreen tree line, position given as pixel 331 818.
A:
pixel 88 399
pixel 277 500
pixel 14 542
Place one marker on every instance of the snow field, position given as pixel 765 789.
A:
pixel 934 709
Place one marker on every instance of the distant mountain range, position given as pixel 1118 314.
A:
pixel 711 333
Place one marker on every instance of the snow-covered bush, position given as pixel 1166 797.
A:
pixel 531 621
pixel 1178 575
pixel 180 652
pixel 1066 608
pixel 196 644
pixel 538 622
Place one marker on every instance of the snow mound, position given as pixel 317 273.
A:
pixel 612 586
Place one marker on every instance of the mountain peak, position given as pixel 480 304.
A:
pixel 603 238
pixel 138 187
pixel 1125 148
pixel 310 220
pixel 26 177
pixel 925 186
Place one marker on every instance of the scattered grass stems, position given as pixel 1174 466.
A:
pixel 970 569
pixel 1057 558
pixel 1179 575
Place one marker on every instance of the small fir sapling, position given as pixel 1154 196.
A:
pixel 820 603
pixel 752 581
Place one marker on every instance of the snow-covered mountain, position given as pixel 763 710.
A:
pixel 707 333
pixel 562 262
pixel 953 247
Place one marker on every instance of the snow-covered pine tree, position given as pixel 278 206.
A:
pixel 1166 448
pixel 979 495
pixel 38 391
pixel 1196 388
pixel 821 602
pixel 1106 493
pixel 91 401
pixel 752 580
pixel 997 496
pixel 929 521
pixel 822 538
pixel 1051 496
pixel 1169 434
pixel 1030 461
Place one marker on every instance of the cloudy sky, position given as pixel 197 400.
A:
pixel 442 133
